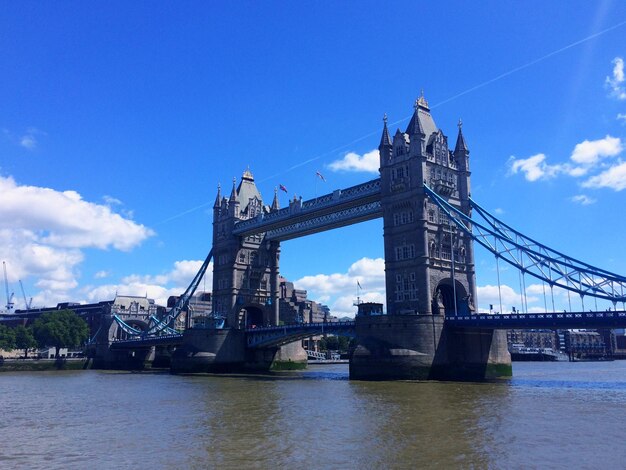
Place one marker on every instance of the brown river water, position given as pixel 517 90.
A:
pixel 550 415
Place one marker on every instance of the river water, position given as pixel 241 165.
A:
pixel 550 415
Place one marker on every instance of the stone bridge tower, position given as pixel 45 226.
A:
pixel 429 266
pixel 245 270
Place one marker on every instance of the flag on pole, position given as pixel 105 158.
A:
pixel 358 284
pixel 320 176
pixel 282 188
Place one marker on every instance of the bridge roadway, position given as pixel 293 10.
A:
pixel 555 320
pixel 261 337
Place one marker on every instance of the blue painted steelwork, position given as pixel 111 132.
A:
pixel 164 324
pixel 164 328
pixel 562 320
pixel 279 335
pixel 126 328
pixel 532 257
pixel 182 301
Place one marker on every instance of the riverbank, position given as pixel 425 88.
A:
pixel 30 365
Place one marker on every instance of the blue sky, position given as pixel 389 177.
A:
pixel 118 120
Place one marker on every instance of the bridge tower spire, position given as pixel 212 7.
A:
pixel 385 148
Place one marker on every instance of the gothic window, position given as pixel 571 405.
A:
pixel 242 257
pixel 405 252
pixel 443 217
pixel 431 216
pixel 445 252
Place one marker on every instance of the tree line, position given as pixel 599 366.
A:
pixel 58 329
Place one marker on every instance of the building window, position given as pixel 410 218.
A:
pixel 405 252
pixel 443 218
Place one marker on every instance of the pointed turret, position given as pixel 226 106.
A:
pixel 385 149
pixel 218 198
pixel 233 193
pixel 461 146
pixel 416 127
pixel 385 139
pixel 275 203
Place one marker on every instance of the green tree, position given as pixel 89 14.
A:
pixel 60 329
pixel 24 339
pixel 7 338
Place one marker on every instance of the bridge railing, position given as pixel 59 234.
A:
pixel 299 326
pixel 554 320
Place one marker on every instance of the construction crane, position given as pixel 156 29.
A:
pixel 6 285
pixel 26 303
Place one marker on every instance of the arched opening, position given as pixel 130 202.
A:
pixel 252 317
pixel 120 334
pixel 444 299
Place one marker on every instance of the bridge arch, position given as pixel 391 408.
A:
pixel 253 316
pixel 443 299
pixel 117 333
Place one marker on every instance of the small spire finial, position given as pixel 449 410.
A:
pixel 416 104
pixel 385 119
pixel 460 124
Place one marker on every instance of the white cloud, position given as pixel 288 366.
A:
pixel 589 152
pixel 101 274
pixel 28 141
pixel 582 199
pixel 498 211
pixel 111 201
pixel 64 219
pixel 621 117
pixel 158 287
pixel 368 162
pixel 533 168
pixel 340 289
pixel 43 232
pixel 587 156
pixel 615 83
pixel 491 295
pixel 614 178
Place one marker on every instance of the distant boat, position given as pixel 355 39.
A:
pixel 536 354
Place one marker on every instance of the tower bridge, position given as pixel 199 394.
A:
pixel 431 329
